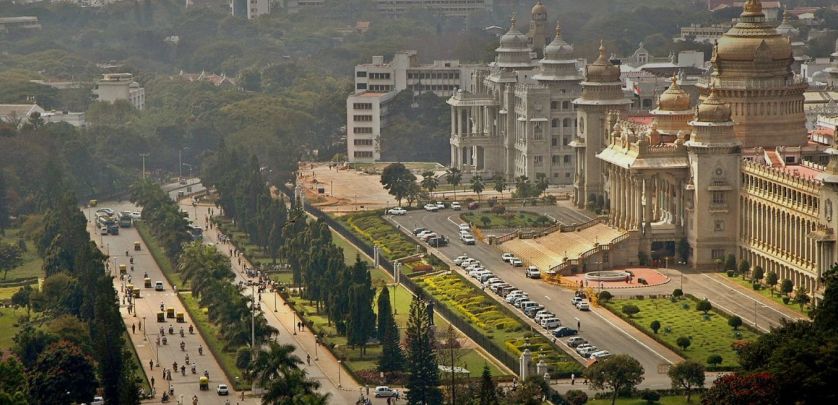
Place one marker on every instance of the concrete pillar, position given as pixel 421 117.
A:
pixel 647 214
pixel 524 367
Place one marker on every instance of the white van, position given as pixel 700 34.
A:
pixel 528 304
pixel 158 286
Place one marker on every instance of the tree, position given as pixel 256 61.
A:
pixel 734 389
pixel 687 375
pixel 499 184
pixel 10 257
pixel 12 377
pixel 630 310
pixel 423 378
pixel 650 396
pixel 62 374
pixel 786 287
pixel 744 267
pixel 488 390
pixel 429 181
pixel 454 176
pixel 704 306
pixel 730 262
pixel 616 373
pixel 522 187
pixel 801 296
pixel 392 358
pixel 771 280
pixel 758 274
pixel 396 179
pixel 683 249
pixel 541 183
pixel 361 319
pixel 734 322
pixel 677 293
pixel 655 326
pixel 485 220
pixel 683 342
pixel 477 185
pixel 714 360
pixel 576 397
pixel 4 204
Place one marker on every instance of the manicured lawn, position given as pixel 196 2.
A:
pixel 32 263
pixel 505 330
pixel 665 400
pixel 371 227
pixel 766 292
pixel 709 335
pixel 510 219
pixel 8 326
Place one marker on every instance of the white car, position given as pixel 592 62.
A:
pixel 423 233
pixel 467 262
pixel 431 207
pixel 550 323
pixel 586 352
pixel 543 314
pixel 97 400
pixel 583 306
pixel 440 204
pixel 103 230
pixel 456 206
pixel 532 272
pixel 600 354
pixel 397 211
pixel 135 215
pixel 464 227
pixel 459 260
pixel 506 257
pixel 158 286
pixel 222 389
pixel 385 392
pixel 468 239
pixel 515 295
pixel 516 262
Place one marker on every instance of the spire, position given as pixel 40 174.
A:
pixel 753 6
pixel 512 20
pixel 601 59
pixel 558 30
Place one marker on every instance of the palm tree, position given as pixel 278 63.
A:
pixel 477 185
pixel 429 182
pixel 500 185
pixel 454 176
pixel 277 371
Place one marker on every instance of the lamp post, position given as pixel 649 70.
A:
pixel 316 343
pixel 142 327
pixel 143 156
pixel 275 293
pixel 339 367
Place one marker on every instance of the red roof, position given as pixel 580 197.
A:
pixel 640 119
pixel 805 172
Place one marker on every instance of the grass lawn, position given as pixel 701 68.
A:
pixel 766 292
pixel 32 263
pixel 371 227
pixel 7 292
pixel 510 219
pixel 8 326
pixel 709 335
pixel 665 400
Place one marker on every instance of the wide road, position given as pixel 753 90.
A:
pixel 145 318
pixel 598 326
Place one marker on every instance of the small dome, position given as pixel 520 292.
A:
pixel 513 39
pixel 539 11
pixel 786 28
pixel 558 49
pixel 713 109
pixel 674 98
pixel 752 38
pixel 602 70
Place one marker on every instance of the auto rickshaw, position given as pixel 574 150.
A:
pixel 179 317
pixel 137 246
pixel 93 203
pixel 129 289
pixel 147 282
pixel 135 293
pixel 161 317
pixel 203 383
pixel 123 269
pixel 170 312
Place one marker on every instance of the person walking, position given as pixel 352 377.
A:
pixel 308 359
pixel 133 326
pixel 152 381
pixel 572 378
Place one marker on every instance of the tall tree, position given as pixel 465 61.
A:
pixel 615 373
pixel 423 378
pixel 477 185
pixel 392 358
pixel 4 204
pixel 499 184
pixel 396 179
pixel 454 176
pixel 488 390
pixel 429 181
pixel 687 375
pixel 10 257
pixel 361 324
pixel 12 377
pixel 62 374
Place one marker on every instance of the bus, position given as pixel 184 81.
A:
pixel 196 232
pixel 125 220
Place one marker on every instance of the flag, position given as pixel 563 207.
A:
pixel 636 90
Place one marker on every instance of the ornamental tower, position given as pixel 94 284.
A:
pixel 538 34
pixel 752 73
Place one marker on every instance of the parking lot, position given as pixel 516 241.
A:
pixel 600 328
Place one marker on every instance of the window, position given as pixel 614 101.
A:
pixel 363 118
pixel 362 130
pixel 719 225
pixel 556 159
pixel 361 86
pixel 717 254
pixel 555 141
pixel 363 154
pixel 538 160
pixel 566 123
pixel 554 123
pixel 565 140
pixel 362 106
pixel 567 158
pixel 554 105
pixel 718 197
pixel 360 73
pixel 538 132
pixel 567 175
pixel 565 105
pixel 789 159
pixel 363 142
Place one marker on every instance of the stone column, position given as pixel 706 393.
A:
pixel 647 215
pixel 631 196
pixel 454 122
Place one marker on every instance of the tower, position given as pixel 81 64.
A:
pixel 712 197
pixel 832 70
pixel 601 92
pixel 752 73
pixel 538 35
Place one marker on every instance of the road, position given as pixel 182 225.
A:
pixel 148 329
pixel 598 326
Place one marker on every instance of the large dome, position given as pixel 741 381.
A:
pixel 558 49
pixel 752 38
pixel 513 39
pixel 539 12
pixel 674 98
pixel 602 70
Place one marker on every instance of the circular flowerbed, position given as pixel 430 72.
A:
pixel 607 275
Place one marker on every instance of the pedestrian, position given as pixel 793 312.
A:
pixel 578 325
pixel 152 382
pixel 572 379
pixel 151 364
pixel 308 359
pixel 133 327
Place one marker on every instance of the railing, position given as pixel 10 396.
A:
pixel 597 249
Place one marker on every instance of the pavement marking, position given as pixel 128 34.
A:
pixel 731 312
pixel 633 338
pixel 548 298
pixel 747 296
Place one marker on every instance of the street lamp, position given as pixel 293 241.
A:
pixel 339 366
pixel 142 327
pixel 316 343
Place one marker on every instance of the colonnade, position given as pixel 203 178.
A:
pixel 636 200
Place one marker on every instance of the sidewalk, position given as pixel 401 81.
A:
pixel 789 313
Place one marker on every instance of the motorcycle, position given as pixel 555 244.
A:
pixel 181 332
pixel 183 370
pixel 187 359
pixel 193 369
pixel 182 346
pixel 200 350
pixel 191 330
pixel 165 340
pixel 165 397
pixel 171 330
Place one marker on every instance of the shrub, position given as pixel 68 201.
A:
pixel 576 397
pixel 704 306
pixel 683 342
pixel 677 293
pixel 730 273
pixel 714 360
pixel 786 300
pixel 498 209
pixel 605 296
pixel 734 322
pixel 650 396
pixel 756 286
pixel 655 325
pixel 630 310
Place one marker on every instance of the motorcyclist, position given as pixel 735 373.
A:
pixel 181 331
pixel 171 330
pixel 191 329
pixel 200 350
pixel 183 370
pixel 193 369
pixel 182 345
pixel 161 310
pixel 187 359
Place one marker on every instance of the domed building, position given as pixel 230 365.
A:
pixel 673 113
pixel 538 34
pixel 514 51
pixel 752 72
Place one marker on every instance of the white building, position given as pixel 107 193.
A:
pixel 120 86
pixel 703 33
pixel 18 114
pixel 448 8
pixel 378 82
pixel 250 8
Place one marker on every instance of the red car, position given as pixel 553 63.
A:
pixel 473 205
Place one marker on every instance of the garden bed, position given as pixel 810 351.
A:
pixel 508 219
pixel 765 291
pixel 709 334
pixel 371 227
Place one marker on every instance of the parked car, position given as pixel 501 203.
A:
pixel 521 302
pixel 531 311
pixel 583 306
pixel 103 230
pixel 586 352
pixel 431 207
pixel 468 239
pixel 473 205
pixel 423 233
pixel 417 231
pixel 506 257
pixel 385 392
pixel 532 272
pixel 456 206
pixel 97 400
pixel 550 323
pixel 506 290
pixel 136 215
pixel 516 262
pixel 574 341
pixel 439 241
pixel 600 354
pixel 575 300
pixel 583 346
pixel 464 227
pixel 459 260
pixel 467 262
pixel 563 331
pixel 515 295
pixel 222 389
pixel 440 205
pixel 543 315
pixel 397 211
